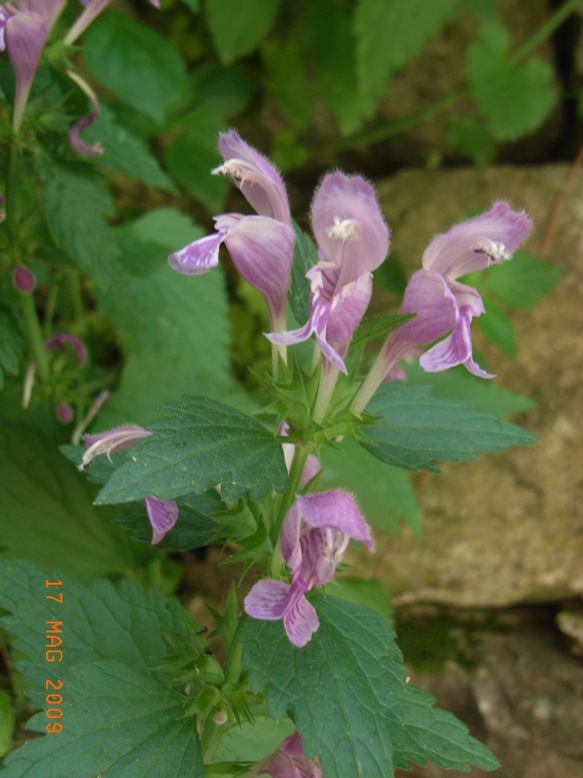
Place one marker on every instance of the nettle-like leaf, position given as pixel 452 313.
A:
pixel 515 100
pixel 254 19
pixel 414 429
pixel 173 328
pixel 137 64
pixel 347 693
pixel 121 695
pixel 124 152
pixel 192 154
pixel 330 41
pixel 391 32
pixel 287 82
pixel 47 510
pixel 73 196
pixel 12 341
pixel 305 257
pixel 203 444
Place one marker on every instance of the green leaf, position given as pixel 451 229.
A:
pixel 52 518
pixel 12 341
pixel 139 66
pixel 384 494
pixel 288 83
pixel 377 327
pixel 204 443
pixel 119 695
pixel 125 153
pixel 416 429
pixel 194 5
pixel 515 100
pixel 173 328
pixel 73 196
pixel 225 91
pixel 305 257
pixel 459 384
pixel 253 742
pixel 145 735
pixel 523 282
pixel 329 38
pixel 346 692
pixel 194 528
pixel 237 28
pixel 7 722
pixel 193 154
pixel 470 136
pixel 498 328
pixel 391 32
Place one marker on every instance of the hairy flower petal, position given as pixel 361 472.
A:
pixel 487 239
pixel 456 349
pixel 348 225
pixel 289 761
pixel 335 510
pixel 256 177
pixel 198 257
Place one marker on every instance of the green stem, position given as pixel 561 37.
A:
pixel 10 200
pixel 300 456
pixel 328 380
pixel 233 666
pixel 34 335
pixel 546 29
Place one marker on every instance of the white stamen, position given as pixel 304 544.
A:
pixel 496 251
pixel 343 229
pixel 234 169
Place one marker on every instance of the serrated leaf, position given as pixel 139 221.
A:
pixel 125 153
pixel 193 154
pixel 119 695
pixel 173 328
pixel 515 100
pixel 347 694
pixel 329 38
pixel 384 494
pixel 204 443
pixel 137 64
pixel 523 282
pixel 415 429
pixel 437 735
pixel 459 384
pixel 305 257
pixel 236 28
pixel 50 511
pixel 145 736
pixel 288 83
pixel 12 341
pixel 391 32
pixel 73 196
pixel 225 91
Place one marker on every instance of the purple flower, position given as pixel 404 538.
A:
pixel 289 761
pixel 23 279
pixel 67 339
pixel 24 26
pixel 444 305
pixel 261 246
pixel 314 536
pixel 92 9
pixel 162 514
pixel 353 240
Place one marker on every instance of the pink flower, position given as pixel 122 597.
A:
pixel 314 536
pixel 261 246
pixel 289 761
pixel 353 240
